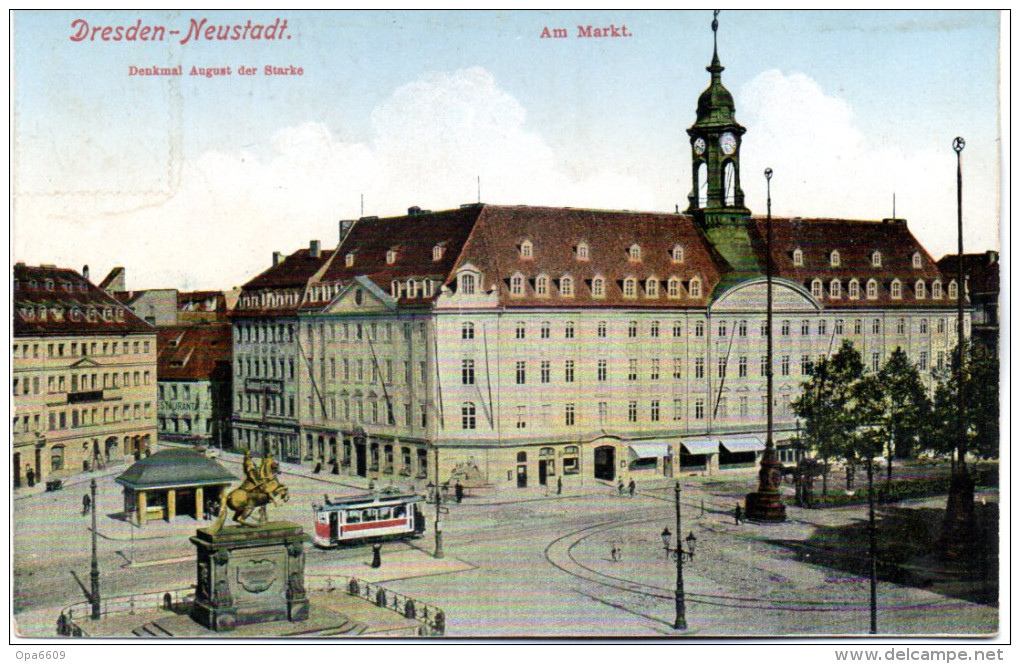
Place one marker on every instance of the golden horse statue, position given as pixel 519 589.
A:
pixel 259 488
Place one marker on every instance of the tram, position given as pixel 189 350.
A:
pixel 367 517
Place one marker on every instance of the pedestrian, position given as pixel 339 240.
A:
pixel 614 553
pixel 559 486
pixel 377 555
pixel 631 487
pixel 30 474
pixel 86 504
pixel 738 514
pixel 458 491
pixel 619 488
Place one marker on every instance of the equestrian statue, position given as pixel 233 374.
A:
pixel 259 488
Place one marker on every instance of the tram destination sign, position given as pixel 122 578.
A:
pixel 263 385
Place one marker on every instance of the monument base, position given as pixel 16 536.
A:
pixel 250 575
pixel 959 527
pixel 765 507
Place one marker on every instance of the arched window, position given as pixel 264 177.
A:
pixel 920 292
pixel 729 183
pixel 916 259
pixel 526 249
pixel 895 289
pixel 634 253
pixel 835 289
pixel 876 259
pixel 598 287
pixel 695 287
pixel 391 257
pixel 673 288
pixel 467 415
pixel 349 260
pixel 702 185
pixel 517 285
pixel 936 289
pixel 652 287
pixel 816 288
pixel 854 289
pixel 467 331
pixel 467 284
pixel 542 285
pixel 872 289
pixel 677 254
pixel 630 287
pixel 437 252
pixel 582 251
pixel 56 458
pixel 834 259
pixel 798 258
pixel 953 290
pixel 566 286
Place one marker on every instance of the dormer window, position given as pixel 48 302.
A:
pixel 936 290
pixel 798 258
pixel 437 252
pixel 517 285
pixel 391 257
pixel 567 286
pixel 953 290
pixel 916 260
pixel 920 291
pixel 582 251
pixel 49 284
pixel 695 287
pixel 835 289
pixel 652 287
pixel 834 259
pixel 598 287
pixel 677 254
pixel 895 289
pixel 816 289
pixel 542 285
pixel 634 253
pixel 526 252
pixel 630 287
pixel 872 289
pixel 467 284
pixel 349 260
pixel 673 288
pixel 854 290
pixel 876 259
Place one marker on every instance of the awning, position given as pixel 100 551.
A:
pixel 701 446
pixel 742 444
pixel 649 450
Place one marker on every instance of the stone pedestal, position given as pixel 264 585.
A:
pixel 250 575
pixel 765 504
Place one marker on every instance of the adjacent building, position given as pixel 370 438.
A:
pixel 194 391
pixel 83 379
pixel 981 275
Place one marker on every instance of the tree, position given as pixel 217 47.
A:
pixel 980 377
pixel 902 407
pixel 825 406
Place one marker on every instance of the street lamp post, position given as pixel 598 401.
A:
pixel 94 598
pixel 439 511
pixel 679 555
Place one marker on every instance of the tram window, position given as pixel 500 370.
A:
pixel 369 515
pixel 354 516
pixel 384 513
pixel 399 511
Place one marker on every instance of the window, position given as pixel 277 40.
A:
pixel 542 285
pixel 603 412
pixel 854 290
pixel 695 287
pixel 632 369
pixel 953 290
pixel 349 260
pixel 467 416
pixel 526 249
pixel 57 458
pixel 467 372
pixel 805 328
pixel 895 289
pixel 582 251
pixel 521 372
pixel 816 288
pixel 522 417
pixel 822 326
pixel 798 258
pixel 655 410
pixel 652 287
pixel 742 328
pixel 517 285
pixel 915 260
pixel 568 330
pixel 602 329
pixel 544 330
pixel 835 289
pixel 699 328
pixel 632 329
pixel 742 366
pixel 630 287
pixel 901 326
pixel 677 329
pixel 875 362
pixel 598 287
pixel 936 290
pixel 467 284
pixel 677 368
pixel 568 414
pixel 764 329
pixel 467 331
pixel 437 252
pixel 699 409
pixel 786 328
pixel 941 326
pixel 920 291
pixel 678 409
pixel 673 288
pixel 722 408
pixel 634 253
pixel 922 361
pixel 722 328
pixel 699 367
pixel 602 370
pixel 876 259
pixel 805 365
pixel 785 365
pixel 391 257
pixel 876 326
pixel 566 286
pixel 924 326
pixel 568 371
pixel 721 367
pixel 872 289
pixel 632 411
pixel 834 259
pixel 519 330
pixel 857 326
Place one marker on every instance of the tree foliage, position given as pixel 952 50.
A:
pixel 981 405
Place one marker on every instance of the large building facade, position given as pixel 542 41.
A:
pixel 83 379
pixel 530 345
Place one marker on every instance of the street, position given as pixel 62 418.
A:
pixel 539 567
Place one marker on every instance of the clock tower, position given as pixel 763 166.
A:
pixel 716 198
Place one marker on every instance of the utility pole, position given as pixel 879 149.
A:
pixel 872 547
pixel 439 510
pixel 680 621
pixel 94 598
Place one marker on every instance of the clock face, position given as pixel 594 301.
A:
pixel 728 143
pixel 699 146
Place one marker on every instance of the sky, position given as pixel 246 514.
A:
pixel 192 182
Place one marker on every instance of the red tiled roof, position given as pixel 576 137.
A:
pixel 73 305
pixel 980 270
pixel 291 274
pixel 194 352
pixel 855 241
pixel 555 233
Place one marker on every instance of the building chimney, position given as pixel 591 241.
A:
pixel 85 272
pixel 313 249
pixel 277 258
pixel 413 210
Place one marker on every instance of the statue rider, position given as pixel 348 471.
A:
pixel 267 469
pixel 251 473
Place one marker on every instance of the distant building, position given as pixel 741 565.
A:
pixel 84 377
pixel 195 384
pixel 981 273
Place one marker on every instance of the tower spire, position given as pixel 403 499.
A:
pixel 716 67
